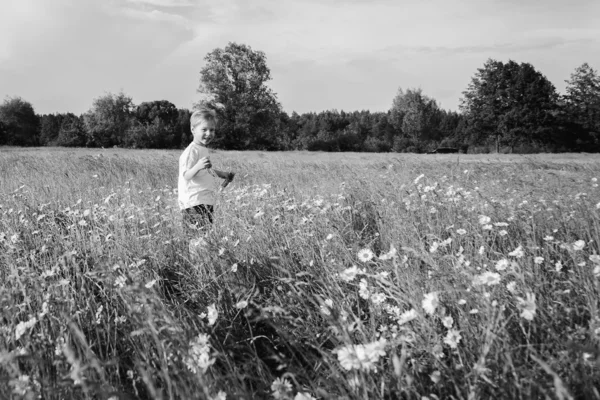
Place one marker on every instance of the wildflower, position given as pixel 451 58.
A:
pixel 361 356
pixel 221 251
pixel 430 302
pixel 461 231
pixel 87 212
pixel 518 252
pixel 99 314
pixel 325 308
pixel 212 314
pixel 199 360
pixel 150 284
pixel 365 255
pixel 281 388
pixel 378 298
pixel 329 237
pixel 538 260
pixel 363 289
pixel 527 306
pixel 304 396
pixel 407 316
pixel 349 274
pixel 452 338
pixel 241 304
pixel 435 376
pixel 484 220
pixel 548 238
pixel 121 281
pixel 487 278
pixel 434 246
pixel 511 286
pixel 23 326
pixel 20 386
pixel 578 245
pixel 448 321
pixel 220 396
pixel 501 265
pixel 462 302
pixel 503 232
pixel 481 250
pixel 474 311
pixel 234 267
pixel 558 266
pixel 393 253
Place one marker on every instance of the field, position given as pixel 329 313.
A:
pixel 325 276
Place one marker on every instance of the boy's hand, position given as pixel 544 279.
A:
pixel 204 162
pixel 227 180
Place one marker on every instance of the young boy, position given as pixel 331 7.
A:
pixel 196 182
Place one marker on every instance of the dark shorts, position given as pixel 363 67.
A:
pixel 196 218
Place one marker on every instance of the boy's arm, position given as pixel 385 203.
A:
pixel 190 172
pixel 224 175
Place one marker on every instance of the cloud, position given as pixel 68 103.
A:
pixel 158 16
pixel 164 3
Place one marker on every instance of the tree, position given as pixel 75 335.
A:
pixel 72 131
pixel 49 128
pixel 415 114
pixel 20 122
pixel 234 80
pixel 108 120
pixel 582 100
pixel 183 132
pixel 154 125
pixel 511 102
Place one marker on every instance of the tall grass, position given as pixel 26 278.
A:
pixel 492 292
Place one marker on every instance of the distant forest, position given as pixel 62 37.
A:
pixel 507 107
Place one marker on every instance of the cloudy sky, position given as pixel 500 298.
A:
pixel 328 54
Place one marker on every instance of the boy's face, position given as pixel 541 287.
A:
pixel 204 132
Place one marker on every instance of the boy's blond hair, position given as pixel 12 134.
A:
pixel 204 113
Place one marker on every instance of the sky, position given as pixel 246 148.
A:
pixel 323 55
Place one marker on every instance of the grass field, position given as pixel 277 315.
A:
pixel 329 276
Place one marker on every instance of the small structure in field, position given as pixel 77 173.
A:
pixel 444 150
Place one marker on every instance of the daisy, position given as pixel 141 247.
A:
pixel 349 273
pixel 501 265
pixel 518 252
pixel 578 245
pixel 281 388
pixel 452 338
pixel 365 255
pixel 430 302
pixel 448 321
pixel 407 316
pixel 212 314
pixel 487 278
pixel 304 396
pixel 528 307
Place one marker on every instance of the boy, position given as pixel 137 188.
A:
pixel 196 184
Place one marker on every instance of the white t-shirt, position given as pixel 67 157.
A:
pixel 201 188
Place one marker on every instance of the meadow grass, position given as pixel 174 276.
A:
pixel 330 276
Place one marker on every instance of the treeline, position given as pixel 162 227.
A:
pixel 507 107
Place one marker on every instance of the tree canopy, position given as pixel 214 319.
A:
pixel 511 102
pixel 20 123
pixel 108 120
pixel 234 80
